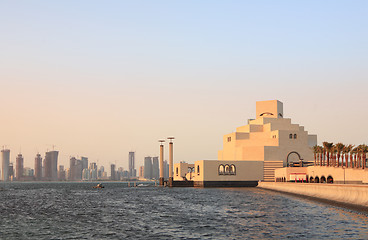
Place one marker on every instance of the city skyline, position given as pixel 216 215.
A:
pixel 113 78
pixel 48 169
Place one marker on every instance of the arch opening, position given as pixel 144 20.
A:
pixel 316 179
pixel 293 159
pixel 323 179
pixel 329 179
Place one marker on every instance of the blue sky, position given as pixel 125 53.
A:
pixel 118 75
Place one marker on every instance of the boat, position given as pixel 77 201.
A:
pixel 99 186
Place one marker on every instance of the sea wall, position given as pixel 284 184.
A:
pixel 340 193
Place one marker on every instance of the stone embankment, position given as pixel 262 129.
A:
pixel 355 196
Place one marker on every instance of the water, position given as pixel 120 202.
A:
pixel 76 211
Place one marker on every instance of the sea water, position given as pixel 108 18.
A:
pixel 67 210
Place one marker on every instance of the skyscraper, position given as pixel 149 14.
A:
pixel 72 162
pixel 78 170
pixel 166 170
pixel 19 167
pixel 148 168
pixel 11 172
pixel 113 173
pixel 38 167
pixel 84 162
pixel 155 168
pixel 75 171
pixel 50 165
pixel 132 171
pixel 5 153
pixel 61 173
pixel 141 171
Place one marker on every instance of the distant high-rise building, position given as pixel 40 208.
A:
pixel 5 154
pixel 155 168
pixel 19 167
pixel 50 165
pixel 113 173
pixel 72 162
pixel 148 168
pixel 100 172
pixel 166 169
pixel 28 172
pixel 86 174
pixel 93 165
pixel 119 173
pixel 61 173
pixel 93 174
pixel 38 167
pixel 11 172
pixel 141 172
pixel 84 162
pixel 132 171
pixel 78 170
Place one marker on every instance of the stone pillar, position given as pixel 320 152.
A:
pixel 171 163
pixel 161 164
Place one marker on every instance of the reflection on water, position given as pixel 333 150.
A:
pixel 77 211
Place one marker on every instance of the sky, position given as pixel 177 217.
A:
pixel 102 78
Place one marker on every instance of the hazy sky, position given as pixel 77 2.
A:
pixel 101 78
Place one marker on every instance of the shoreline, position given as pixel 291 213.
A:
pixel 340 195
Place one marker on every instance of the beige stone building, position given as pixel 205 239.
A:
pixel 254 151
pixel 322 174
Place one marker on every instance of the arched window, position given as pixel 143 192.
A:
pixel 177 171
pixel 198 169
pixel 232 169
pixel 329 179
pixel 291 136
pixel 221 170
pixel 323 179
pixel 316 179
pixel 295 136
pixel 227 169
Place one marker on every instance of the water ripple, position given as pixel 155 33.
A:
pixel 76 211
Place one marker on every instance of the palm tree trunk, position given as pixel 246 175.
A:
pixel 351 160
pixel 346 160
pixel 363 160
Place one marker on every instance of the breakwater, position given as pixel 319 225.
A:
pixel 354 196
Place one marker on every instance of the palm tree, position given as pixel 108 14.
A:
pixel 346 150
pixel 339 147
pixel 320 152
pixel 327 149
pixel 316 151
pixel 362 151
pixel 355 156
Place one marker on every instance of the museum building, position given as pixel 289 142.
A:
pixel 253 152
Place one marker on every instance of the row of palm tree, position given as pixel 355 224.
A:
pixel 340 155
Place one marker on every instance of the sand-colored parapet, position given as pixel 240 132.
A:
pixel 346 194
